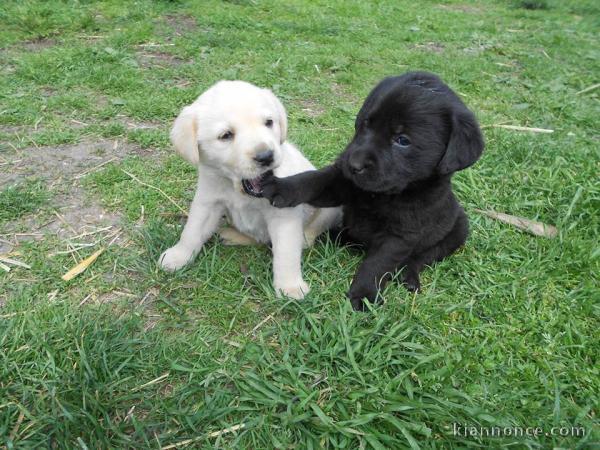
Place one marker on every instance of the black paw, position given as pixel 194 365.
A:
pixel 358 304
pixel 277 192
pixel 411 282
pixel 358 294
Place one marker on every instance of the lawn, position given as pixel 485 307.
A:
pixel 504 333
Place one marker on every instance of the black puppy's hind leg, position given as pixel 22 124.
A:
pixel 448 245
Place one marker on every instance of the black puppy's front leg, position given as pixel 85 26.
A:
pixel 376 270
pixel 322 188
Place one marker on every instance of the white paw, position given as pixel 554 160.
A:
pixel 296 291
pixel 175 258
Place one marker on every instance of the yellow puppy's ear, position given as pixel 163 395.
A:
pixel 184 136
pixel 281 115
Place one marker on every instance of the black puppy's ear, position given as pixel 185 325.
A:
pixel 465 145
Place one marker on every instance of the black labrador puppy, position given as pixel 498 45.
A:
pixel 393 180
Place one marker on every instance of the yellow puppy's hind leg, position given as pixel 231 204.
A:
pixel 323 219
pixel 231 236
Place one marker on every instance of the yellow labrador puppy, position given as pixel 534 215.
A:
pixel 234 133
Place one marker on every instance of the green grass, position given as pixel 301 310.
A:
pixel 20 199
pixel 505 332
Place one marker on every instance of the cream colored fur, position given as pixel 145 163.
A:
pixel 199 134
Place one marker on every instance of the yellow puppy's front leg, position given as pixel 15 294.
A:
pixel 286 242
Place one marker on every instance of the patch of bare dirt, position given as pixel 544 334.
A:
pixel 340 92
pixel 133 124
pixel 47 91
pixel 113 296
pixel 92 38
pixel 10 129
pixel 180 23
pixel 39 44
pixel 77 216
pixel 478 48
pixel 462 8
pixel 7 69
pixel 57 164
pixel 433 47
pixel 158 58
pixel 311 108
pixel 78 220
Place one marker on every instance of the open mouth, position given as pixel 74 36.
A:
pixel 253 186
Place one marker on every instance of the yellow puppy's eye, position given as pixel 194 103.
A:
pixel 227 136
pixel 269 123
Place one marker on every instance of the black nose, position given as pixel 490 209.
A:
pixel 359 167
pixel 359 162
pixel 264 158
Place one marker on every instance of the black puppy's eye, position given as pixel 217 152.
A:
pixel 227 136
pixel 402 140
pixel 269 123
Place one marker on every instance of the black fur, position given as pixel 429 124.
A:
pixel 393 180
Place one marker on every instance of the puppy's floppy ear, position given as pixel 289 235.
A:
pixel 281 114
pixel 465 145
pixel 184 135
